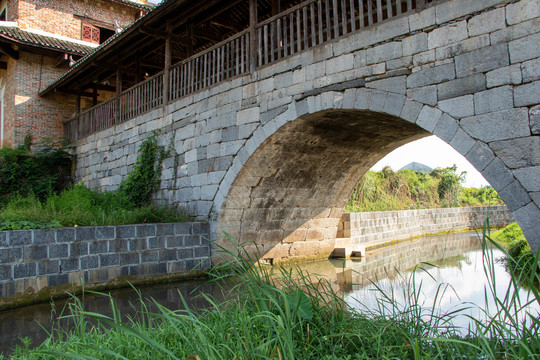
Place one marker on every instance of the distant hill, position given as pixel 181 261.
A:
pixel 417 167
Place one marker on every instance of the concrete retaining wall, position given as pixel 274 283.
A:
pixel 381 226
pixel 31 260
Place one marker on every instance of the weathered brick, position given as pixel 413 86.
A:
pixel 509 75
pixel 521 11
pixel 24 270
pixel 89 262
pixel 35 252
pixel 447 34
pixel 125 231
pixel 105 232
pixel 85 233
pixel 20 237
pixel 525 48
pixel 48 267
pixel 145 230
pixel 487 22
pixel 44 236
pixel 109 260
pixel 69 265
pixel 531 70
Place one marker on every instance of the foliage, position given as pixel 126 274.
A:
pixel 142 180
pixel 405 189
pixel 80 206
pixel 520 259
pixel 294 315
pixel 44 171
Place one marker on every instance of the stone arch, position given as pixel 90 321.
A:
pixel 287 187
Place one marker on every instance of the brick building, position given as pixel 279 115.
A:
pixel 38 41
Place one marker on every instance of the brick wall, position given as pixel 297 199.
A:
pixel 27 112
pixel 31 260
pixel 59 16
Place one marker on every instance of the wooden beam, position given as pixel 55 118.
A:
pixel 276 7
pixel 227 24
pixel 167 65
pixel 156 33
pixel 7 50
pixel 253 16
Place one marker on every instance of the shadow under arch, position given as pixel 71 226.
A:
pixel 288 185
pixel 287 200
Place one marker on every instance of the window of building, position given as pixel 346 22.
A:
pixel 96 34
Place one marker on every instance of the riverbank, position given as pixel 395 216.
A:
pixel 291 316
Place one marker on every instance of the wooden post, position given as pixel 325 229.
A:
pixel 166 71
pixel 253 35
pixel 420 4
pixel 94 96
pixel 78 102
pixel 118 92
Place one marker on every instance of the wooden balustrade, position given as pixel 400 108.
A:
pixel 309 24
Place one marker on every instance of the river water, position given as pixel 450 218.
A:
pixel 454 260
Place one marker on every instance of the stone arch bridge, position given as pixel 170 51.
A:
pixel 272 156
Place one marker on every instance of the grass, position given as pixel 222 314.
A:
pixel 80 206
pixel 296 316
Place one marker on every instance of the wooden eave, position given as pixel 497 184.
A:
pixel 193 26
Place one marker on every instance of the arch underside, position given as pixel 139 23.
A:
pixel 287 200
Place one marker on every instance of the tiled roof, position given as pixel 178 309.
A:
pixel 49 41
pixel 134 4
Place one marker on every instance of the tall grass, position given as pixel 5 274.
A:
pixel 294 315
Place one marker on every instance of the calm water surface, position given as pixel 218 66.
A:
pixel 457 260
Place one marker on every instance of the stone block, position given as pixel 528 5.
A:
pixel 514 196
pixel 384 52
pixel 202 251
pixel 185 253
pixel 3 239
pixel 182 228
pixel 247 116
pixel 5 272
pixel 531 70
pixel 493 100
pixel 524 49
pixel 337 65
pixel 20 237
pixel 167 255
pixel 448 34
pixel 521 11
pixel 47 236
pixel 462 142
pixel 57 279
pixel 424 58
pixel 48 267
pixel 509 75
pixel 192 240
pixel 518 153
pixel 415 44
pixel 78 249
pixel 528 177
pixel 393 84
pixel 446 128
pixel 422 20
pixel 450 51
pixel 411 110
pixel 448 11
pixel 482 60
pixel 480 156
pixel 501 125
pixel 426 95
pixel 24 270
pixel 400 63
pixel 487 22
pixel 459 107
pixel 534 120
pixel 69 265
pixel 106 260
pixel 98 247
pixel 428 118
pixel 394 104
pixel 431 76
pixel 528 94
pixel 36 252
pixel 462 86
pixel 145 230
pixel 129 259
pixel 85 233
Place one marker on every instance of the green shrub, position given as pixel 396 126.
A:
pixel 44 171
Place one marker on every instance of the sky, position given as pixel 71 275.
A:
pixel 433 152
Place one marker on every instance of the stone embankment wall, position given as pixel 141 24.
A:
pixel 381 226
pixel 32 260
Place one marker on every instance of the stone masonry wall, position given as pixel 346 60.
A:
pixel 382 226
pixel 31 260
pixel 466 71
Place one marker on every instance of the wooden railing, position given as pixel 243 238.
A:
pixel 221 62
pixel 309 24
